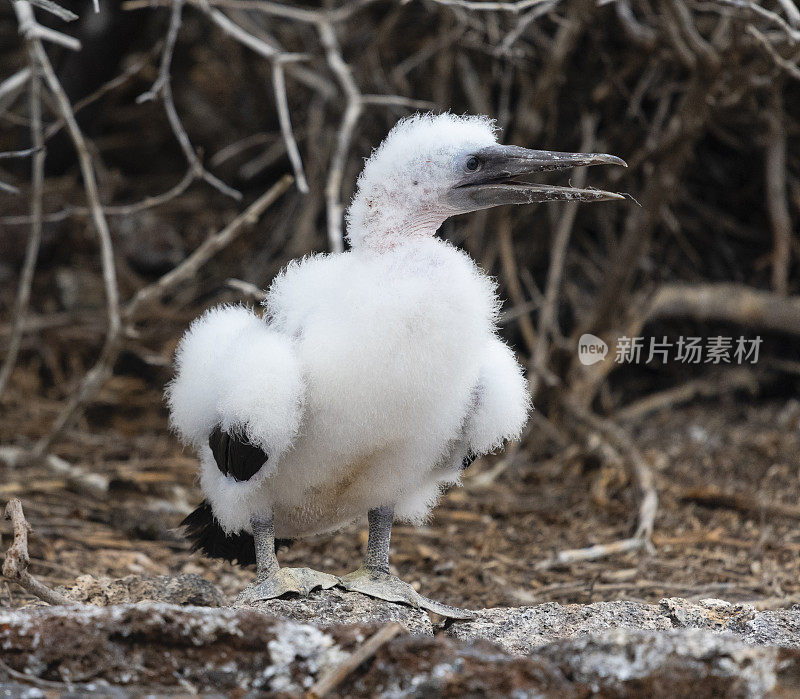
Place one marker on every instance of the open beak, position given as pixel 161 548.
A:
pixel 495 181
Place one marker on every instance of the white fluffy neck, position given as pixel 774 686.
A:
pixel 382 227
pixel 420 227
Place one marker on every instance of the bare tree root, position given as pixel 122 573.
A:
pixel 15 566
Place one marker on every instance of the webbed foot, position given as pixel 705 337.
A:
pixel 298 580
pixel 375 583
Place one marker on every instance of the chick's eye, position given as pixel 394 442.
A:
pixel 472 164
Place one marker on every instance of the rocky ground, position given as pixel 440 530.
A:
pixel 345 644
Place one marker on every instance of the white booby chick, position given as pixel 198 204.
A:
pixel 374 376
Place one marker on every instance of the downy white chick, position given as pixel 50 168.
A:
pixel 374 376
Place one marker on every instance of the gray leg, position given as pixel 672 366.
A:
pixel 380 534
pixel 271 580
pixel 373 577
pixel 264 535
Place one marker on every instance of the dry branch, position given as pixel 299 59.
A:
pixel 102 369
pixel 324 22
pixel 13 84
pixel 101 91
pixel 508 260
pixel 777 197
pixel 20 153
pixel 618 447
pixel 488 6
pixel 279 85
pixel 98 373
pixel 354 107
pixel 277 59
pixel 111 210
pixel 55 9
pixel 246 289
pixel 35 32
pixel 213 245
pixel 734 303
pixel 329 682
pixel 592 553
pixel 555 274
pixel 675 145
pixel 787 66
pixel 95 377
pixel 162 88
pixel 711 496
pixel 34 239
pixel 731 381
pixel 15 565
pixel 773 17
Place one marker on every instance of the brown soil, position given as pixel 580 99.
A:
pixel 483 541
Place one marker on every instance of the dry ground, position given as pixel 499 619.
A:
pixel 484 540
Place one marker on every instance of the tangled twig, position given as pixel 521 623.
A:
pixel 162 88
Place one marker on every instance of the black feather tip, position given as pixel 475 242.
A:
pixel 206 535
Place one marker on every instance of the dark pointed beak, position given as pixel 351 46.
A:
pixel 495 180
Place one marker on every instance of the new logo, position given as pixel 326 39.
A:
pixel 591 349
